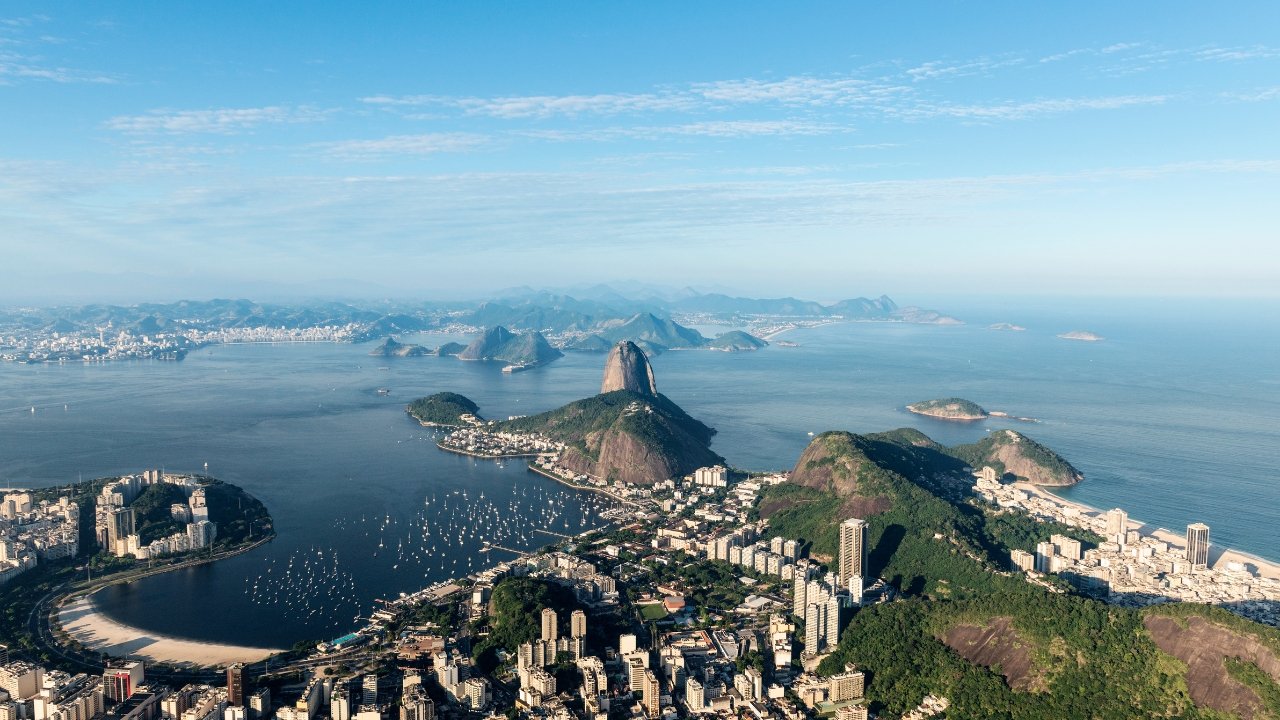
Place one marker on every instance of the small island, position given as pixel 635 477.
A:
pixel 1082 336
pixel 957 409
pixel 736 341
pixel 391 348
pixel 1008 327
pixel 444 409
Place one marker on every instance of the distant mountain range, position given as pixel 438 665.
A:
pixel 592 323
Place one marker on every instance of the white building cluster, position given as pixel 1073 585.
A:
pixel 33 531
pixel 1132 568
pixel 116 522
pixel 30 691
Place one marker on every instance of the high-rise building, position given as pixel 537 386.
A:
pixel 791 549
pixel 1044 556
pixel 550 631
pixel 1198 545
pixel 370 687
pixel 260 705
pixel 120 525
pixel 626 644
pixel 1117 525
pixel 235 684
pixel 22 680
pixel 578 624
pixel 856 588
pixel 853 547
pixel 650 697
pixel 848 685
pixel 814 626
pixel 635 672
pixel 1022 560
pixel 1069 548
pixel 800 585
pixel 694 699
pixel 417 705
pixel 119 681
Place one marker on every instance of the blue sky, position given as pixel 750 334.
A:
pixel 154 150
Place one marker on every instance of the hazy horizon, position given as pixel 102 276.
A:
pixel 824 150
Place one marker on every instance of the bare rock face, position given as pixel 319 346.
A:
pixel 628 369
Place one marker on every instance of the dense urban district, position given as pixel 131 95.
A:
pixel 884 575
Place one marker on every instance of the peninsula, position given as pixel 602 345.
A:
pixel 444 409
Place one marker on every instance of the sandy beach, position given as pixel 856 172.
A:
pixel 1218 555
pixel 80 619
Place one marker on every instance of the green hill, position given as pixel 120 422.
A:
pixel 1014 453
pixel 992 643
pixel 626 436
pixel 443 408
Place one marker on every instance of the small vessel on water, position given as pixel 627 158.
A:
pixel 384 391
pixel 515 368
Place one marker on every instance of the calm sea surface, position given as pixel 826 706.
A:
pixel 1175 416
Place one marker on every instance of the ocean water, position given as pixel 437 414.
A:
pixel 1175 417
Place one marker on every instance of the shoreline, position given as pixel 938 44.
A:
pixel 1219 556
pixel 81 619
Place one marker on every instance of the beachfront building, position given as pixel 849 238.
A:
pixel 1117 526
pixel 1198 545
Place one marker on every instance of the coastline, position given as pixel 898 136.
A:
pixel 82 620
pixel 1219 556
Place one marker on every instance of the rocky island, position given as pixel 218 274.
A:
pixel 500 344
pixel 957 409
pixel 1082 336
pixel 391 348
pixel 1010 327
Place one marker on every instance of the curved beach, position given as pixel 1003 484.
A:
pixel 82 620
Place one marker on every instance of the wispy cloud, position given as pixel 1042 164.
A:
pixel 222 121
pixel 939 69
pixel 797 91
pixel 1262 95
pixel 15 68
pixel 1119 47
pixel 703 96
pixel 23 58
pixel 1233 54
pixel 1020 110
pixel 706 129
pixel 543 106
pixel 421 144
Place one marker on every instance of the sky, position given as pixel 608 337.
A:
pixel 158 150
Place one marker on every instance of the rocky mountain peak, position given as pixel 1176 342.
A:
pixel 628 369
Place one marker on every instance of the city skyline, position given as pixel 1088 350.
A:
pixel 452 150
